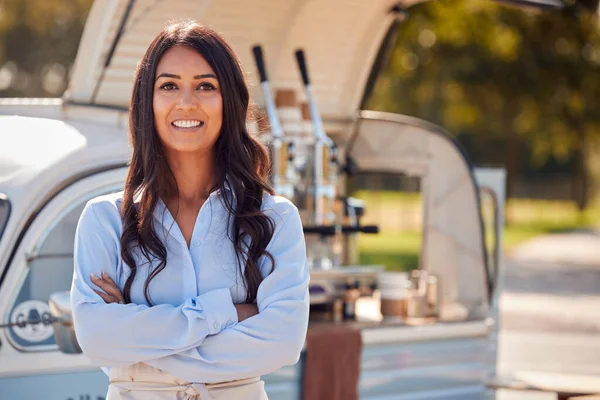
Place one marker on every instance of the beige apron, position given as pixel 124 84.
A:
pixel 143 382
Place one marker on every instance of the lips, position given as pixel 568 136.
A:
pixel 187 123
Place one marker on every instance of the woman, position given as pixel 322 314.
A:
pixel 192 282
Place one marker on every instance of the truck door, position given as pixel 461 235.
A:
pixel 31 365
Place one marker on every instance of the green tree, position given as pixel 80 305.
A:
pixel 502 78
pixel 38 43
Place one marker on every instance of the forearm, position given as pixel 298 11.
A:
pixel 117 334
pixel 121 334
pixel 257 346
pixel 270 340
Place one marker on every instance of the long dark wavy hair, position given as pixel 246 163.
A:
pixel 239 157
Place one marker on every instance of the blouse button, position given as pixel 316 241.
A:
pixel 196 243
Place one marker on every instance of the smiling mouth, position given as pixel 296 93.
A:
pixel 187 124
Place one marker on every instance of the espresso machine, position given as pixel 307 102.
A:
pixel 307 170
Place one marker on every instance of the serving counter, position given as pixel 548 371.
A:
pixel 440 360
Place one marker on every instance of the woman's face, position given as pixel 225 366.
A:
pixel 187 103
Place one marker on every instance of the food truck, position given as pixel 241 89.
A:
pixel 435 341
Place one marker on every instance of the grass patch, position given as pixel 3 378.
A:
pixel 391 260
pixel 398 251
pixel 551 214
pixel 399 244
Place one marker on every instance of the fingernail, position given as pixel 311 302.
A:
pixel 103 274
pixel 94 277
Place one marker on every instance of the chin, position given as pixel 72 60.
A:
pixel 191 141
pixel 197 146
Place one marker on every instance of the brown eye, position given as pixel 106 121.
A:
pixel 206 87
pixel 168 86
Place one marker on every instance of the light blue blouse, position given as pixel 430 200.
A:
pixel 192 331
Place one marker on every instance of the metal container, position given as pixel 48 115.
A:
pixel 423 302
pixel 433 296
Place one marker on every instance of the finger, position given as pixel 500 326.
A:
pixel 106 286
pixel 107 278
pixel 107 298
pixel 101 283
pixel 115 291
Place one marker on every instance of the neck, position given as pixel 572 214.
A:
pixel 194 175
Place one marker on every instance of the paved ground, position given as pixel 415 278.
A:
pixel 550 310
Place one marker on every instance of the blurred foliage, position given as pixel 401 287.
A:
pixel 519 87
pixel 38 43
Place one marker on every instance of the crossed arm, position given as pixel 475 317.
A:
pixel 194 341
pixel 111 293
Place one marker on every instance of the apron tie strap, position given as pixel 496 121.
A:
pixel 198 389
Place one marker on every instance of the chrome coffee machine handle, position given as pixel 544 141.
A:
pixel 324 169
pixel 276 130
pixel 276 143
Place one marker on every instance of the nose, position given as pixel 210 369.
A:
pixel 187 101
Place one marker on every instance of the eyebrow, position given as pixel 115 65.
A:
pixel 174 76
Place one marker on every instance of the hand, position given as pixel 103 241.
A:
pixel 245 311
pixel 111 293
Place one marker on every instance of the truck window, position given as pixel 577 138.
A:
pixel 4 212
pixel 49 271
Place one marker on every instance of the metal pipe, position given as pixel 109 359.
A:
pixel 321 141
pixel 276 130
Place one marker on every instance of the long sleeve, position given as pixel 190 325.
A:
pixel 121 334
pixel 269 340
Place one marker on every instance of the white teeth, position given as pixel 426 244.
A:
pixel 187 123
